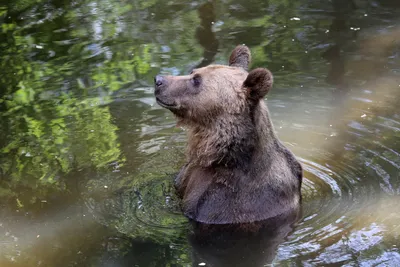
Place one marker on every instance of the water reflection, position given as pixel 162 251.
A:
pixel 205 34
pixel 252 244
pixel 87 158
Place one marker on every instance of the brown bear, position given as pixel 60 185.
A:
pixel 237 171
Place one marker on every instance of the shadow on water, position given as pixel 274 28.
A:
pixel 205 35
pixel 240 245
pixel 87 157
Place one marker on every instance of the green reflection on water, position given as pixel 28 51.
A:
pixel 86 161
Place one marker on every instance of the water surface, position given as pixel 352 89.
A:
pixel 87 157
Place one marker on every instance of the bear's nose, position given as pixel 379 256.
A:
pixel 159 80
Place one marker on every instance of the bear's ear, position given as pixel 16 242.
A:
pixel 258 83
pixel 240 57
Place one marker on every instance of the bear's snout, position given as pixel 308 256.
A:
pixel 163 97
pixel 159 80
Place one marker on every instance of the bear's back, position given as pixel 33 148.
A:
pixel 234 196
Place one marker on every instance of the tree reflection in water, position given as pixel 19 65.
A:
pixel 86 156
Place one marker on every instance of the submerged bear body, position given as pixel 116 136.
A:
pixel 237 170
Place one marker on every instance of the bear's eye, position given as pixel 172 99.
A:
pixel 196 80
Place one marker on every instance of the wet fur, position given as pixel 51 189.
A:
pixel 257 180
pixel 237 170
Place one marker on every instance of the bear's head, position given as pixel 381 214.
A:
pixel 214 91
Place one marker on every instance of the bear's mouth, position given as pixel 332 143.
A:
pixel 165 104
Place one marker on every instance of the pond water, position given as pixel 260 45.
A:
pixel 87 157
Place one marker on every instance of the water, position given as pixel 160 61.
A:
pixel 87 158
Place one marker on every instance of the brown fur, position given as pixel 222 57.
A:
pixel 237 170
pixel 240 57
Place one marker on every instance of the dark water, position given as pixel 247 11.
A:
pixel 87 157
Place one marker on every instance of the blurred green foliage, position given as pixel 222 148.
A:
pixel 52 100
